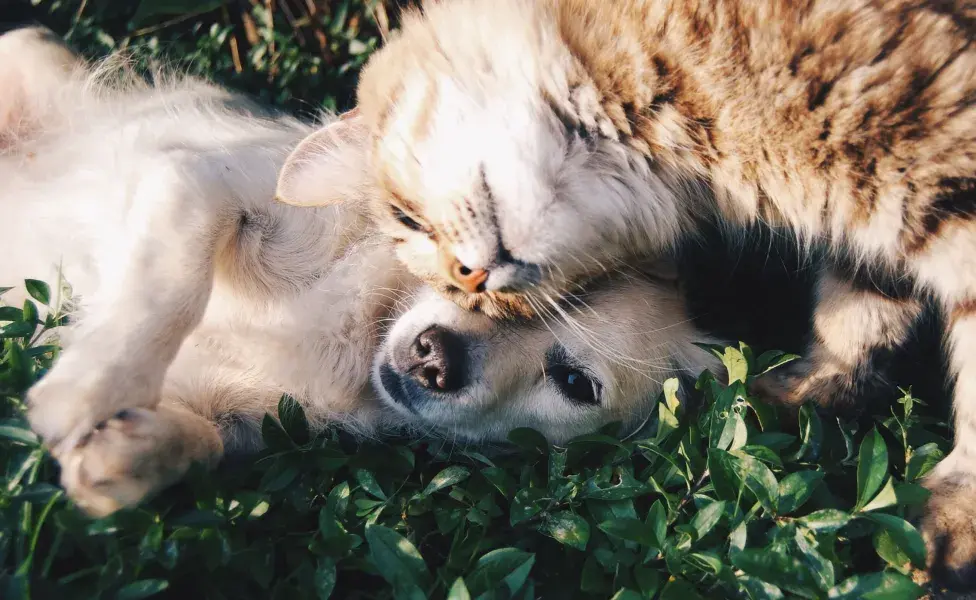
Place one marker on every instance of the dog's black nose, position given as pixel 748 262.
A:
pixel 436 360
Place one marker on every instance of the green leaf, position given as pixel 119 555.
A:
pixel 724 417
pixel 923 460
pixel 567 528
pixel 821 568
pixel 760 480
pixel 625 488
pixel 505 566
pixel 527 503
pixel 458 590
pixel 736 364
pixel 796 489
pixel 529 440
pixel 30 312
pixel 811 434
pixel 396 559
pixel 292 418
pixel 876 586
pixel 707 518
pixel 908 539
pixel 760 590
pixel 657 521
pixel 275 436
pixel 679 589
pixel 452 475
pixel 499 478
pixel 633 530
pixel 767 416
pixel 11 313
pixel 911 494
pixel 325 578
pixel 777 568
pixel 885 498
pixel 369 484
pixel 667 422
pixel 872 466
pixel 827 520
pixel 595 440
pixel 670 389
pixel 141 589
pixel 41 292
pixel 738 537
pixel 17 330
pixel 762 453
pixel 647 579
pixel 888 549
pixel 625 594
pixel 20 435
pixel 772 359
pixel 724 470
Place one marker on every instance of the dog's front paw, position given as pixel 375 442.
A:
pixel 133 455
pixel 949 527
pixel 79 393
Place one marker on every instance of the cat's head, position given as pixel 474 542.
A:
pixel 497 175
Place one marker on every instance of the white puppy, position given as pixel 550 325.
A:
pixel 197 300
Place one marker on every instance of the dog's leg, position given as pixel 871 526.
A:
pixel 135 454
pixel 155 282
pixel 209 409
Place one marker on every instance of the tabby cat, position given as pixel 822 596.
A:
pixel 525 147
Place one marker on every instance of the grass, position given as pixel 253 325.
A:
pixel 732 500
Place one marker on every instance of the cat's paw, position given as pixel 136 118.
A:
pixel 131 456
pixel 949 528
pixel 834 387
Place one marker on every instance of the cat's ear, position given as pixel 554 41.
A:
pixel 328 167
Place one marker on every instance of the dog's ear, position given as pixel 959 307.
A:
pixel 328 167
pixel 35 64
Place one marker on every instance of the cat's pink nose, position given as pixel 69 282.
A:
pixel 471 281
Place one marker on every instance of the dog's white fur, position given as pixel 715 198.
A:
pixel 197 301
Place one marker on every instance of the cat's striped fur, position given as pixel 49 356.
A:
pixel 526 145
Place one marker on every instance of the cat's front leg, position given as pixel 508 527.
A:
pixel 946 263
pixel 855 324
pixel 155 277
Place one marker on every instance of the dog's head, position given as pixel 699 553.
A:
pixel 602 359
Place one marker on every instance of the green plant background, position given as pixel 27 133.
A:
pixel 730 501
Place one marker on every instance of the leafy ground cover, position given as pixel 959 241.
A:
pixel 726 499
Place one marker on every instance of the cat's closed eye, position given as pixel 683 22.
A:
pixel 406 220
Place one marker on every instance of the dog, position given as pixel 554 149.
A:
pixel 196 300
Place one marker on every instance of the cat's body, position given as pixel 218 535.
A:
pixel 525 146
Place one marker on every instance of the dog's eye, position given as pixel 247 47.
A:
pixel 574 384
pixel 405 219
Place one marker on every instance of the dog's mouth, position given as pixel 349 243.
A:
pixel 398 391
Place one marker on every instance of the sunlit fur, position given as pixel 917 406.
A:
pixel 574 133
pixel 197 301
